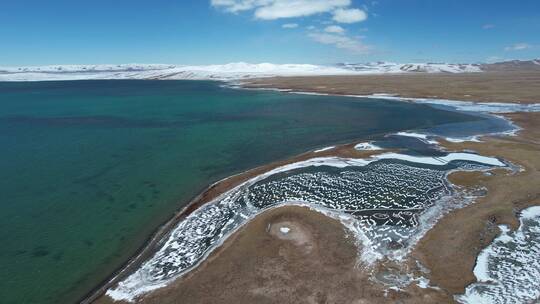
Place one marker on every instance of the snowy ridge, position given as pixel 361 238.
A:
pixel 391 67
pixel 231 71
pixel 85 68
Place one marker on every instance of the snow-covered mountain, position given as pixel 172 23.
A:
pixel 86 68
pixel 390 67
pixel 231 71
pixel 513 65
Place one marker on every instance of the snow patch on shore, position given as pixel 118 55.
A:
pixel 466 106
pixel 508 270
pixel 324 149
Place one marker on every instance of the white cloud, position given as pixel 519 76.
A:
pixel 488 26
pixel 340 11
pixel 334 29
pixel 518 47
pixel 341 42
pixel 276 9
pixel 297 8
pixel 235 6
pixel 290 25
pixel 352 15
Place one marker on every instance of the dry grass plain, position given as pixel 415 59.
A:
pixel 515 86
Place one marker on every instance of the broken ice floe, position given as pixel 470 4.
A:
pixel 420 136
pixel 367 146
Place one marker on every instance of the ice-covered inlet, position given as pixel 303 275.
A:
pixel 508 271
pixel 379 201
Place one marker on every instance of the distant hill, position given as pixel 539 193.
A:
pixel 242 70
pixel 397 68
pixel 513 65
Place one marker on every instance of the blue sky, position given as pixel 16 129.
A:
pixel 36 32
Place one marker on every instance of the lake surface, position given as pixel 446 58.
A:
pixel 89 169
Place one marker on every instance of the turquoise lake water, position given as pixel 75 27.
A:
pixel 89 169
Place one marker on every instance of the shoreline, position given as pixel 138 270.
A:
pixel 513 147
pixel 212 192
pixel 129 289
pixel 506 197
pixel 151 246
pixel 489 86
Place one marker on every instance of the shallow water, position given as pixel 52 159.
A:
pixel 90 168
